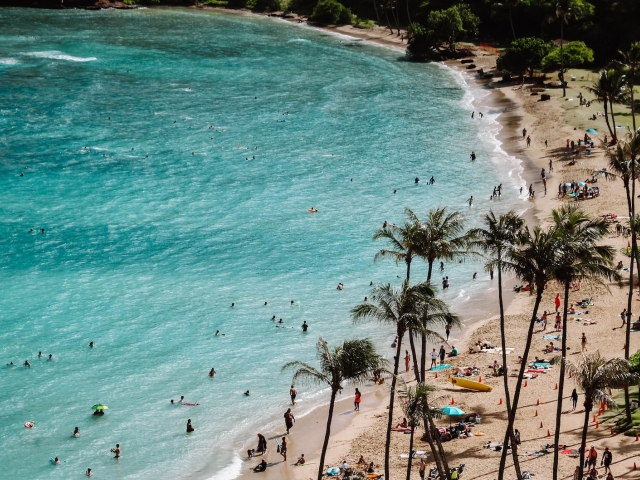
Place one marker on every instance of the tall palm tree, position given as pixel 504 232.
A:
pixel 610 89
pixel 443 238
pixel 416 407
pixel 494 241
pixel 595 376
pixel 631 64
pixel 566 9
pixel 581 259
pixel 352 362
pixel 532 261
pixel 623 164
pixel 410 308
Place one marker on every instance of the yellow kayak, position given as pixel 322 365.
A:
pixel 470 384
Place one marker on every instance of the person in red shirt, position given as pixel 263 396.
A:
pixel 357 400
pixel 557 302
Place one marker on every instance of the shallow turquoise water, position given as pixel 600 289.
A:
pixel 155 222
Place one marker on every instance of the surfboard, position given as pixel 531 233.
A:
pixel 470 384
pixel 440 367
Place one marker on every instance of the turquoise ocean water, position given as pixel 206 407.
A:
pixel 135 133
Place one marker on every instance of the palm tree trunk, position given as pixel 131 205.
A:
pixel 634 247
pixel 606 117
pixel 525 356
pixel 432 444
pixel 326 435
pixel 423 338
pixel 416 368
pixel 556 435
pixel 564 88
pixel 583 443
pixel 388 22
pixel 511 21
pixel 391 399
pixel 409 20
pixel 376 9
pixel 613 120
pixel 441 457
pixel 633 107
pixel 412 426
pixel 503 343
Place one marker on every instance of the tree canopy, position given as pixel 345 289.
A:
pixel 575 54
pixel 524 54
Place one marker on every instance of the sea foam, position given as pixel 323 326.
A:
pixel 55 55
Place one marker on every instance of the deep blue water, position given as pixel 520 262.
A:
pixel 135 133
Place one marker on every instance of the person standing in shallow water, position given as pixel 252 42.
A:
pixel 293 393
pixel 357 400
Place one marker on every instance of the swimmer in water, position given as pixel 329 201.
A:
pixel 27 364
pixel 190 427
pixel 233 305
pixel 116 450
pixel 56 461
pixel 50 357
pixel 280 321
pixel 88 473
pixel 247 393
pixel 417 180
pixel 265 304
pixel 273 318
pixel 473 156
pixel 470 200
pixel 313 210
pixel 304 326
pixel 90 344
pixel 39 354
pixel 76 432
pixel 292 302
pixel 340 286
pixel 217 333
pixel 212 372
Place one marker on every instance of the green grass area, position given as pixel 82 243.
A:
pixel 362 23
pixel 616 418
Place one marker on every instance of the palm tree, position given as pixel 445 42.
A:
pixel 566 9
pixel 442 239
pixel 354 361
pixel 623 164
pixel 610 89
pixel 581 259
pixel 631 63
pixel 509 4
pixel 494 241
pixel 416 407
pixel 532 261
pixel 595 376
pixel 412 308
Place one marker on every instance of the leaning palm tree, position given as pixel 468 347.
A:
pixel 416 406
pixel 411 308
pixel 595 375
pixel 610 89
pixel 582 258
pixel 354 361
pixel 442 239
pixel 532 261
pixel 495 241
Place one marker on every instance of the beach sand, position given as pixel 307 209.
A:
pixel 364 433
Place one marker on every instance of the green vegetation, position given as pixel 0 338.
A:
pixel 524 54
pixel 575 55
pixel 331 12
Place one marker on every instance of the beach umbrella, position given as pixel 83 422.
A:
pixel 452 411
pixel 99 407
pixel 581 184
pixel 592 131
pixel 568 184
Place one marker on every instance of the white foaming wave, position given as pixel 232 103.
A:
pixel 8 61
pixel 231 471
pixel 299 40
pixel 55 55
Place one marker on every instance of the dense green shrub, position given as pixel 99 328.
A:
pixel 331 12
pixel 267 6
pixel 523 54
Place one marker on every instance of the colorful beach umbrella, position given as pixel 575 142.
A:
pixel 593 131
pixel 452 411
pixel 581 184
pixel 99 407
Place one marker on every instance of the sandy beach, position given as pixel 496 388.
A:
pixel 363 434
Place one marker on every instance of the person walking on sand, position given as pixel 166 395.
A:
pixel 357 400
pixel 407 360
pixel 292 393
pixel 558 322
pixel 289 420
pixel 423 467
pixel 524 133
pixel 443 353
pixel 583 342
pixel 283 448
pixel 551 165
pixel 434 358
pixel 557 302
pixel 528 141
pixel 574 398
pixel 623 316
pixel 607 458
pixel 592 458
